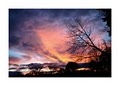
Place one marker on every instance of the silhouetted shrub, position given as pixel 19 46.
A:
pixel 71 66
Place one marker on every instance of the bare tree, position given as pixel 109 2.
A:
pixel 83 41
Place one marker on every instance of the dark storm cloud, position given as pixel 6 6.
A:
pixel 14 40
pixel 16 17
pixel 21 21
pixel 16 24
pixel 39 17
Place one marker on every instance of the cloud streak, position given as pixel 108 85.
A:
pixel 42 33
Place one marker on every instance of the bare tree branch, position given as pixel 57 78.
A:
pixel 81 37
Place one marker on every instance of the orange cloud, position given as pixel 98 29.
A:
pixel 54 41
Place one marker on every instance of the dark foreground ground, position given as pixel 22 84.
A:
pixel 66 74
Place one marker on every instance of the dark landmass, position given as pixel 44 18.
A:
pixel 70 70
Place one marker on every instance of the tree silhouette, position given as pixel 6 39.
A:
pixel 81 40
pixel 71 66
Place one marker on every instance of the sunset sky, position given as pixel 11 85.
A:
pixel 40 35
